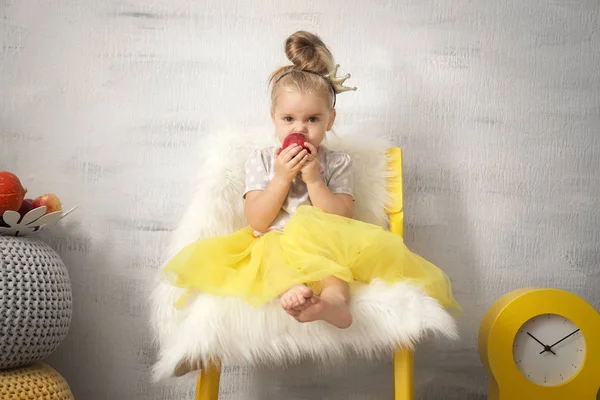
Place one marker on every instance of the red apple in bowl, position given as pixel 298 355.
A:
pixel 12 192
pixel 295 138
pixel 26 207
pixel 50 200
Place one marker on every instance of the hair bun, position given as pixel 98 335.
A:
pixel 308 52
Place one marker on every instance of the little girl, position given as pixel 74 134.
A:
pixel 302 245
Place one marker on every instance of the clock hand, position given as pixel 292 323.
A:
pixel 566 337
pixel 546 347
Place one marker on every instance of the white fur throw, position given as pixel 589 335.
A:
pixel 227 329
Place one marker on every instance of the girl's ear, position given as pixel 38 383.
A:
pixel 331 119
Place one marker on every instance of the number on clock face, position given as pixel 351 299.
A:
pixel 549 350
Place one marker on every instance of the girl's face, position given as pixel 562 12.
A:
pixel 306 113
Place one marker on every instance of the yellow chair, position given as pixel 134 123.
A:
pixel 207 387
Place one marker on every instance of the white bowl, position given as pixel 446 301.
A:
pixel 31 222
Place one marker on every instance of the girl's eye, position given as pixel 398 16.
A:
pixel 287 119
pixel 313 119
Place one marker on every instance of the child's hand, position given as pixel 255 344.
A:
pixel 289 162
pixel 311 171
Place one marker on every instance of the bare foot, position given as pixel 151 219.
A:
pixel 332 309
pixel 296 299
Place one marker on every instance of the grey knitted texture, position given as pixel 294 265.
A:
pixel 35 301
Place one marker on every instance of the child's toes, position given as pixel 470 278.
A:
pixel 306 292
pixel 285 302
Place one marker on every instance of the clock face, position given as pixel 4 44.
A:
pixel 549 350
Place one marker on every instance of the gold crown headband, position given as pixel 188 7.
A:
pixel 336 83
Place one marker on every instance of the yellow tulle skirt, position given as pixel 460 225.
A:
pixel 313 246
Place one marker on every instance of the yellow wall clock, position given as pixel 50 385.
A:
pixel 539 343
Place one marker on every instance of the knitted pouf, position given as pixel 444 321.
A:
pixel 36 381
pixel 35 301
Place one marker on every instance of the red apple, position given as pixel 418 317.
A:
pixel 26 207
pixel 11 192
pixel 295 138
pixel 50 200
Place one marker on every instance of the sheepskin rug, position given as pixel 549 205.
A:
pixel 227 329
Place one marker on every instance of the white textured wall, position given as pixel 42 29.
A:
pixel 496 103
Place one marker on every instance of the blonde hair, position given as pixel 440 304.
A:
pixel 311 60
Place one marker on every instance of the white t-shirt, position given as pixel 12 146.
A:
pixel 260 170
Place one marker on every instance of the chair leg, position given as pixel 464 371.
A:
pixel 207 387
pixel 404 374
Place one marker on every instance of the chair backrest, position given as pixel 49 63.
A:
pixel 395 207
